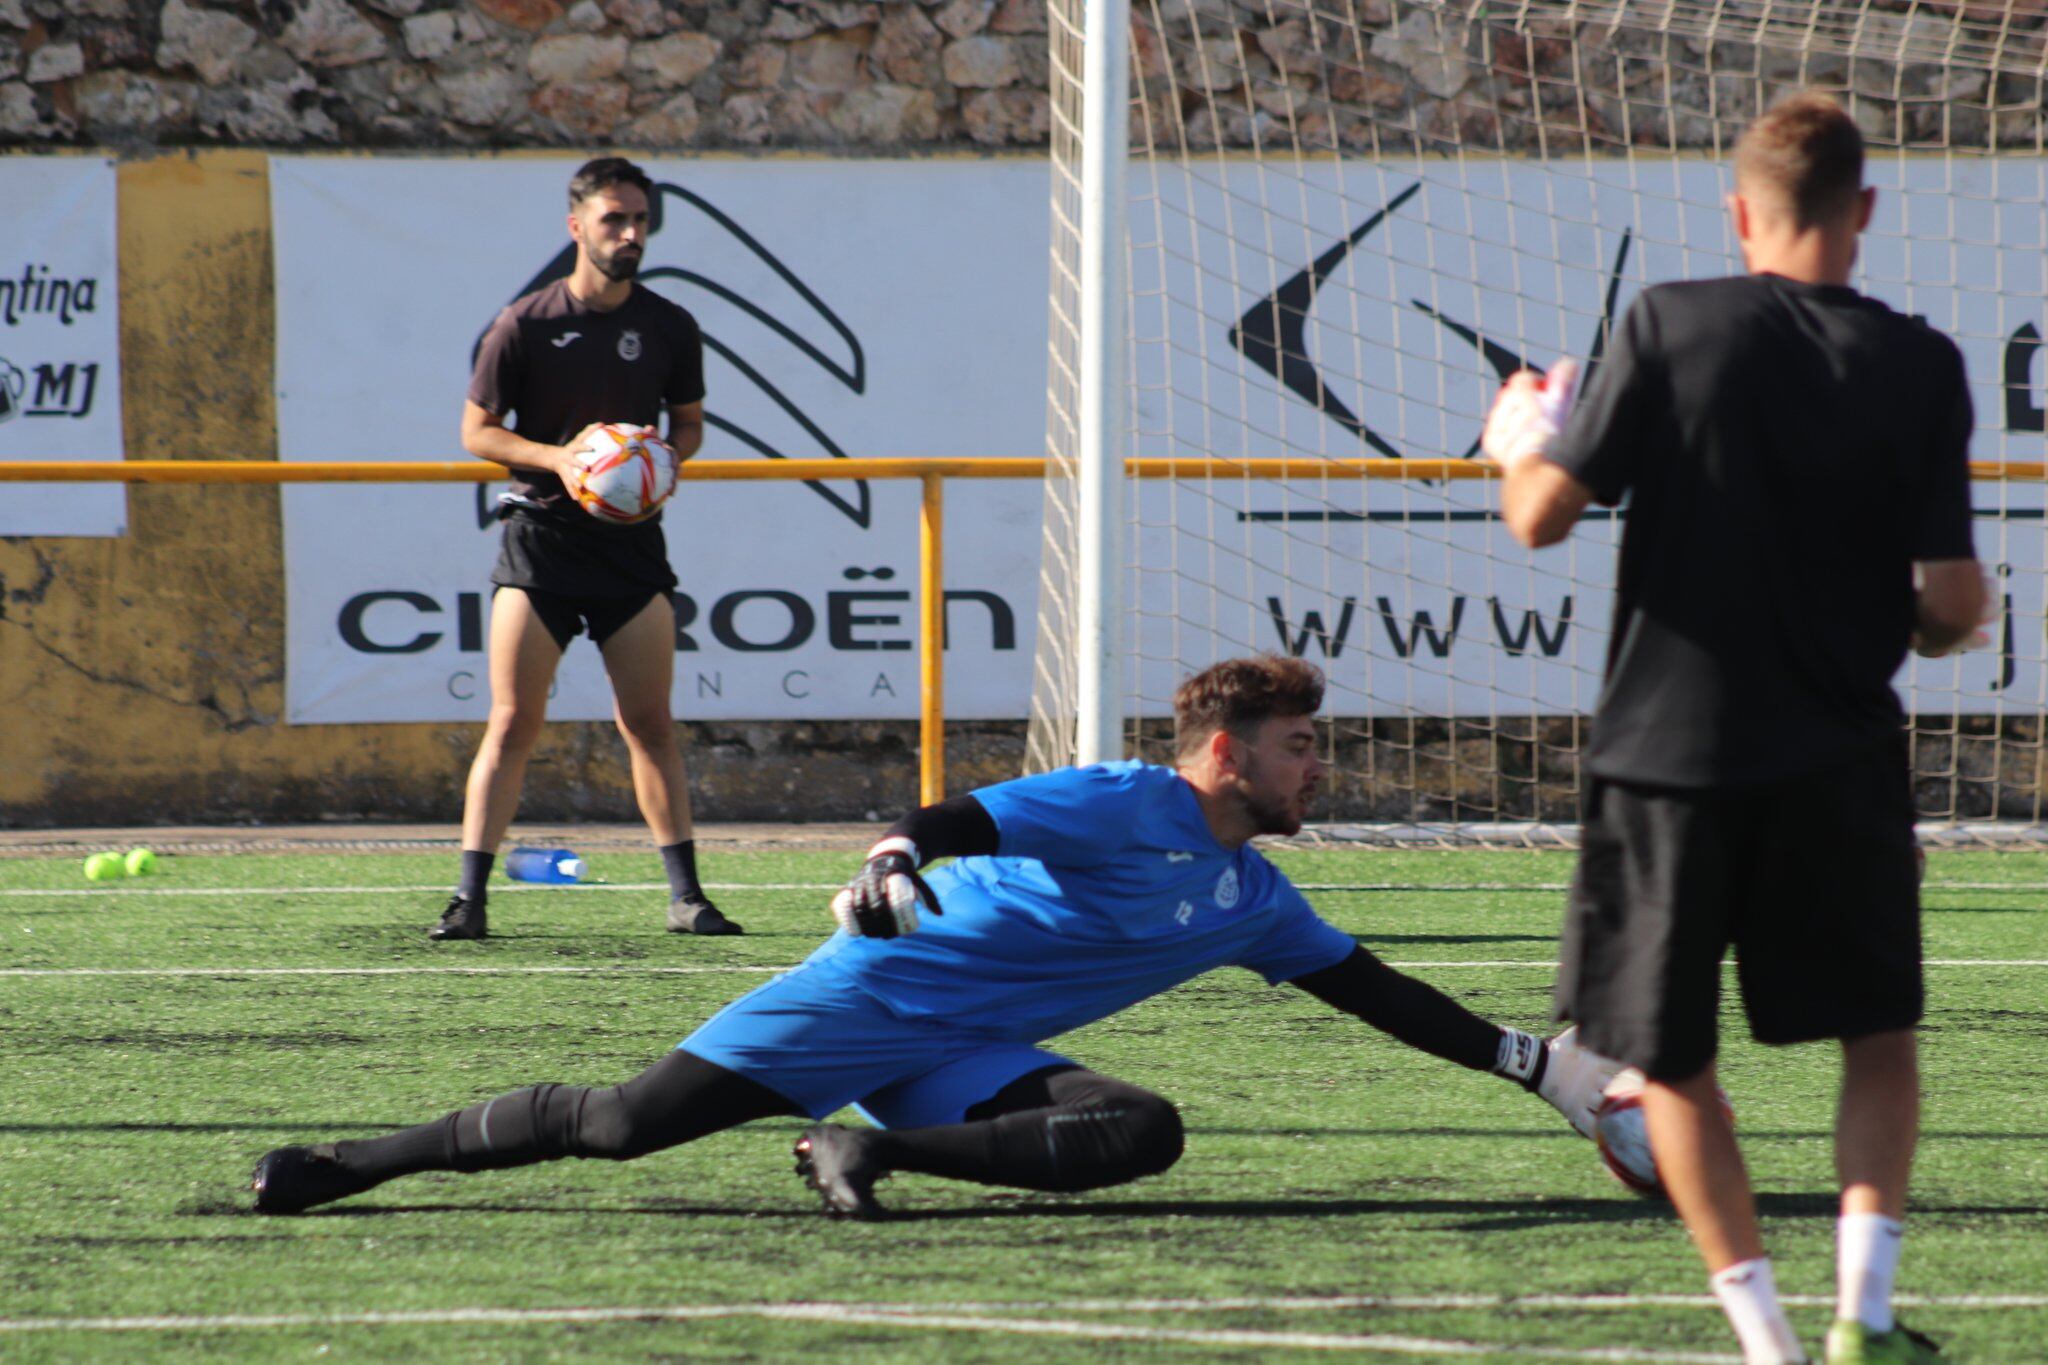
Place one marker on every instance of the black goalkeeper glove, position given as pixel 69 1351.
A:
pixel 882 901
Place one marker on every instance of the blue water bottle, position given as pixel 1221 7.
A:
pixel 557 866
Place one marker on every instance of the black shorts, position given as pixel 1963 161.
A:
pixel 567 617
pixel 583 575
pixel 578 556
pixel 1813 880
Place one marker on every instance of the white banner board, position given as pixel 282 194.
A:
pixel 60 341
pixel 849 307
pixel 898 308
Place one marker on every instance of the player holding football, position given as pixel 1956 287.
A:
pixel 1073 895
pixel 1794 454
pixel 590 348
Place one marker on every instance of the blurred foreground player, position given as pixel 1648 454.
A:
pixel 589 348
pixel 1795 457
pixel 1074 895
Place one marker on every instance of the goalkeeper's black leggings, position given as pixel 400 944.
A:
pixel 1063 1128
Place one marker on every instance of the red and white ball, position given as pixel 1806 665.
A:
pixel 623 473
pixel 1623 1134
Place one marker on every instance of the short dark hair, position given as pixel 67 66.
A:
pixel 1239 694
pixel 1807 150
pixel 604 173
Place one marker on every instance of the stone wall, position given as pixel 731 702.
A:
pixel 491 73
pixel 1369 77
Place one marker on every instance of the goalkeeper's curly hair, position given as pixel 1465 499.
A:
pixel 1238 694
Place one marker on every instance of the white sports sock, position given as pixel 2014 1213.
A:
pixel 1749 1296
pixel 1866 1258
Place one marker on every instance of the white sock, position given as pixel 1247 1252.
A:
pixel 1866 1258
pixel 1749 1296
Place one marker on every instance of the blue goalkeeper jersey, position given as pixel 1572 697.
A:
pixel 1107 888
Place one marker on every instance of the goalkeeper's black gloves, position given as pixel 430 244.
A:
pixel 882 901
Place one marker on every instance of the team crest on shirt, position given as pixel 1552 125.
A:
pixel 629 345
pixel 1226 888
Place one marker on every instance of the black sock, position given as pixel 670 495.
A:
pixel 678 1099
pixel 424 1148
pixel 512 1130
pixel 680 862
pixel 476 870
pixel 1064 1148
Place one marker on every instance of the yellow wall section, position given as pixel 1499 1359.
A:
pixel 143 676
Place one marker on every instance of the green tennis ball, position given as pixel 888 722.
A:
pixel 140 862
pixel 105 867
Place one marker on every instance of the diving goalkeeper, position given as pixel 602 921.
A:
pixel 1074 895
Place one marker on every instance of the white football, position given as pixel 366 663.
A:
pixel 623 473
pixel 1623 1134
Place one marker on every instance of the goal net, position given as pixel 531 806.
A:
pixel 1349 219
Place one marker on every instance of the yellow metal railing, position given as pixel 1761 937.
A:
pixel 931 517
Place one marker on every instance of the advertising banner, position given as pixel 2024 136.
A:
pixel 60 341
pixel 899 308
pixel 849 308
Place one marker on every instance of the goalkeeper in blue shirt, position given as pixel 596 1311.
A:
pixel 1073 895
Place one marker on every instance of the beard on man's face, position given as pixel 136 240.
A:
pixel 1275 815
pixel 1271 813
pixel 621 265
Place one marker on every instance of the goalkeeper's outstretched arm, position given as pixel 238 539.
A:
pixel 1418 1014
pixel 882 900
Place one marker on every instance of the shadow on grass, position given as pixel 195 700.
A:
pixel 323 1130
pixel 1462 1215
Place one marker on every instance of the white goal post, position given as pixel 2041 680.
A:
pixel 1347 220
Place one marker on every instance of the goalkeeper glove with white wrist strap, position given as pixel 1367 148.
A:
pixel 1567 1076
pixel 881 902
pixel 1529 413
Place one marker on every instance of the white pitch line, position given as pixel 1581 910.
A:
pixel 905 1315
pixel 898 1311
pixel 438 889
pixel 1504 1302
pixel 1300 1341
pixel 637 969
pixel 607 969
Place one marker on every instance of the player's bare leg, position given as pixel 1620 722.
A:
pixel 1877 1125
pixel 640 659
pixel 523 658
pixel 1878 1122
pixel 1703 1172
pixel 1702 1168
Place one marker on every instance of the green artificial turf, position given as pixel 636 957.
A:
pixel 1322 1159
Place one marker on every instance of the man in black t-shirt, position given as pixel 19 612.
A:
pixel 587 349
pixel 1795 458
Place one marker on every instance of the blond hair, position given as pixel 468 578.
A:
pixel 1805 152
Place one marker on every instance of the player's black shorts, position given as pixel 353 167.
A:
pixel 1813 880
pixel 579 576
pixel 577 556
pixel 568 617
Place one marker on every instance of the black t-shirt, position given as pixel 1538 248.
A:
pixel 1788 450
pixel 561 365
